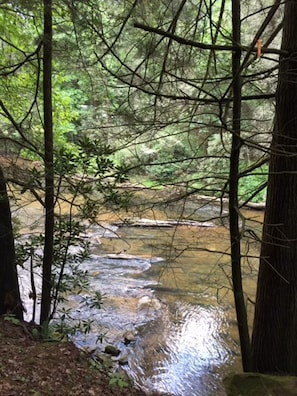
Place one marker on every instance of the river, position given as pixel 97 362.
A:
pixel 170 288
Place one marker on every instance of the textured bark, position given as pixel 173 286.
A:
pixel 10 301
pixel 274 342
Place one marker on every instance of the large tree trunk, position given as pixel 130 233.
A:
pixel 274 341
pixel 10 301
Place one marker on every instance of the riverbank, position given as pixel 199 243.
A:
pixel 37 368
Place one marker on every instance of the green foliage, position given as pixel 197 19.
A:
pixel 256 181
pixel 12 319
pixel 97 300
pixel 65 325
pixel 117 380
pixel 36 334
pixel 92 116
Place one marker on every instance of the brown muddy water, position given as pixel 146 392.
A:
pixel 170 288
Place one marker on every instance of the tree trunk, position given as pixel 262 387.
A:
pixel 48 164
pixel 274 342
pixel 235 238
pixel 10 300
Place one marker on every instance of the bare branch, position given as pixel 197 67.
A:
pixel 210 47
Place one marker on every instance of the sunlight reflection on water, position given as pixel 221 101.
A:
pixel 185 360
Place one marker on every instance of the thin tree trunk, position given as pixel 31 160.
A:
pixel 274 342
pixel 235 238
pixel 10 300
pixel 49 177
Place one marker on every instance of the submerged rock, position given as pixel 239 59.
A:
pixel 112 350
pixel 149 302
pixel 124 358
pixel 254 384
pixel 129 337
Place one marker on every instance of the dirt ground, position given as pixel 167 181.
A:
pixel 35 368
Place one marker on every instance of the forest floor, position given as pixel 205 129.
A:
pixel 38 368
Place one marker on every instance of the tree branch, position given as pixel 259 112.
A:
pixel 210 47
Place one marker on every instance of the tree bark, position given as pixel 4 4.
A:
pixel 10 300
pixel 235 238
pixel 48 163
pixel 274 342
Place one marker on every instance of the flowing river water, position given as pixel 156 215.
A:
pixel 170 288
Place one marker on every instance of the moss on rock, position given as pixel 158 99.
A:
pixel 254 384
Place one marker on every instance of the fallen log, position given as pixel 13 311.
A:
pixel 141 222
pixel 126 256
